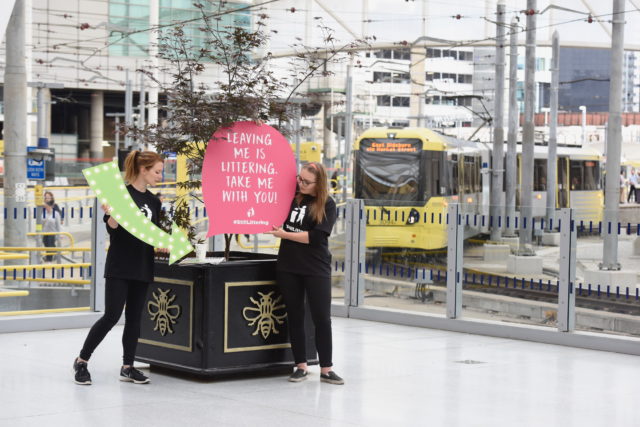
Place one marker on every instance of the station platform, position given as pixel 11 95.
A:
pixel 395 375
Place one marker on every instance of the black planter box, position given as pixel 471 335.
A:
pixel 218 319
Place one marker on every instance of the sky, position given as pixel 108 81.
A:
pixel 398 20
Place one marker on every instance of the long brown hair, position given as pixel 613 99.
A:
pixel 322 190
pixel 139 159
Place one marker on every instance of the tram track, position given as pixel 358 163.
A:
pixel 498 284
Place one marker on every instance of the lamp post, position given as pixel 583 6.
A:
pixel 583 108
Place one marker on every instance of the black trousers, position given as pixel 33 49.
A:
pixel 49 242
pixel 117 293
pixel 632 191
pixel 318 291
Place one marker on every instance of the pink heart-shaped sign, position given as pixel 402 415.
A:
pixel 248 179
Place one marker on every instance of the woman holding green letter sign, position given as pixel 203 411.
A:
pixel 128 270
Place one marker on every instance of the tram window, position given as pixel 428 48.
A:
pixel 389 169
pixel 477 175
pixel 540 175
pixel 452 175
pixel 432 174
pixel 469 174
pixel 584 175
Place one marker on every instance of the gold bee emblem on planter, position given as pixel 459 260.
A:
pixel 265 314
pixel 162 312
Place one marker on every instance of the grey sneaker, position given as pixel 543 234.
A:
pixel 298 376
pixel 331 378
pixel 82 375
pixel 133 375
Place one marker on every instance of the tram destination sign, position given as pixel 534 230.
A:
pixel 383 145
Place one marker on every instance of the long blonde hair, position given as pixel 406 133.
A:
pixel 322 190
pixel 139 159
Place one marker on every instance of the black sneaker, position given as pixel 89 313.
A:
pixel 298 375
pixel 82 377
pixel 331 378
pixel 133 375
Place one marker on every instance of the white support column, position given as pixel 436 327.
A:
pixel 354 259
pixel 454 262
pixel 566 288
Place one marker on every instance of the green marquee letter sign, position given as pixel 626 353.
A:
pixel 106 181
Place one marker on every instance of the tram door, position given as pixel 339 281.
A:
pixel 563 183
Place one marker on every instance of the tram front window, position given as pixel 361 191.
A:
pixel 585 175
pixel 388 169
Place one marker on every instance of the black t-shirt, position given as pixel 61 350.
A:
pixel 129 257
pixel 314 258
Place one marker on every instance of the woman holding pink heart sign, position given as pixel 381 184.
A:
pixel 304 267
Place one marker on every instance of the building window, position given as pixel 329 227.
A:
pixel 447 53
pixel 381 77
pixel 386 54
pixel 401 78
pixel 465 56
pixel 401 54
pixel 544 95
pixel 404 54
pixel 400 101
pixel 433 53
pixel 451 77
pixel 464 101
pixel 383 100
pixel 126 17
pixel 178 11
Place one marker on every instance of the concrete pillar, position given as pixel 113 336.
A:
pixel 97 124
pixel 46 94
pixel 327 133
pixel 614 141
pixel 15 131
pixel 528 129
pixel 417 73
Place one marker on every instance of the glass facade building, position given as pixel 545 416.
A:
pixel 584 79
pixel 129 22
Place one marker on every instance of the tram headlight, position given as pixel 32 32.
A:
pixel 414 216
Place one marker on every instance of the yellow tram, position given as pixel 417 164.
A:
pixel 409 176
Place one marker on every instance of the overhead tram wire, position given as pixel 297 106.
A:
pixel 55 48
pixel 174 23
pixel 457 44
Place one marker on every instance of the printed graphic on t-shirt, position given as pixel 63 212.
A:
pixel 147 211
pixel 297 215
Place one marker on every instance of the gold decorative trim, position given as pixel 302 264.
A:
pixel 227 349
pixel 189 347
